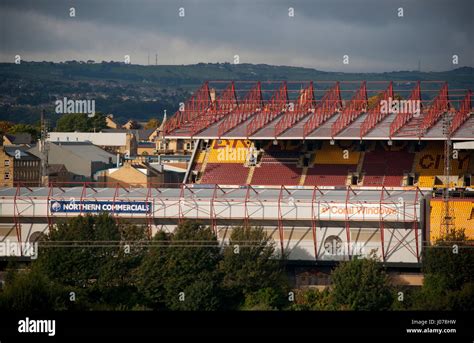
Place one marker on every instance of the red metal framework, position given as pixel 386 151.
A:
pixel 180 202
pixel 221 107
pixel 114 201
pixel 251 104
pixel 357 105
pixel 382 225
pixel 415 223
pixel 347 222
pixel 213 214
pixel 304 104
pixel 403 240
pixel 314 221
pixel 281 231
pixel 375 114
pixel 438 107
pixel 276 105
pixel 150 215
pixel 462 114
pixel 404 117
pixel 193 108
pixel 16 216
pixel 329 105
pixel 247 197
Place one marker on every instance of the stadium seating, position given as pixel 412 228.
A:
pixel 228 151
pixel 328 175
pixel 386 168
pixel 337 154
pixel 463 217
pixel 278 167
pixel 429 162
pixel 277 174
pixel 225 174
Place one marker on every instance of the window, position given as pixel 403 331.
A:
pixel 7 176
pixel 7 163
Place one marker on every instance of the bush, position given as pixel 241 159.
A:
pixel 361 284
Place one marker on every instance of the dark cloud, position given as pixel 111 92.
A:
pixel 321 32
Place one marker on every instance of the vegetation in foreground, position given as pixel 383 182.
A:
pixel 105 266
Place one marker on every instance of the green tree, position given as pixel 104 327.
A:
pixel 34 131
pixel 452 258
pixel 180 270
pixel 152 123
pixel 249 265
pixel 94 259
pixel 448 269
pixel 313 300
pixel 31 291
pixel 361 284
pixel 80 122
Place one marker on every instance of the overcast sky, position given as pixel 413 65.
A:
pixel 258 31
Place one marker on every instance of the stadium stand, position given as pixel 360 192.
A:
pixel 225 162
pixel 328 175
pixel 332 164
pixel 463 218
pixel 278 166
pixel 383 167
pixel 429 163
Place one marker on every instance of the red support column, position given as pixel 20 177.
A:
pixel 462 114
pixel 415 224
pixel 116 193
pixel 183 186
pixel 326 108
pixel 222 106
pixel 347 222
pixel 276 105
pixel 304 104
pixel 193 108
pixel 246 213
pixel 83 192
pixel 437 108
pixel 375 115
pixel 16 217
pixel 180 210
pixel 251 104
pixel 382 225
pixel 404 117
pixel 150 214
pixel 313 221
pixel 356 106
pixel 48 206
pixel 280 219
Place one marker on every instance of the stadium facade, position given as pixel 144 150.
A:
pixel 330 169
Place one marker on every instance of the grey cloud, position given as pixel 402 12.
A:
pixel 318 36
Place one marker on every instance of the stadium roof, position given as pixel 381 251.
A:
pixel 350 110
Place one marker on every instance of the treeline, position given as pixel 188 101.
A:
pixel 92 263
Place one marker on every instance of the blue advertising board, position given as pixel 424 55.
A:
pixel 133 207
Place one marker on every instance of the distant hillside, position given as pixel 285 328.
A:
pixel 143 92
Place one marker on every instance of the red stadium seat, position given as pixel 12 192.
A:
pixel 328 174
pixel 225 174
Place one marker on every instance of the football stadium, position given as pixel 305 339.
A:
pixel 330 169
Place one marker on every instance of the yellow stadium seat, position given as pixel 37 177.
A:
pixel 229 151
pixel 463 217
pixel 333 154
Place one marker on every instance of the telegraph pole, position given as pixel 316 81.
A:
pixel 44 148
pixel 447 221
